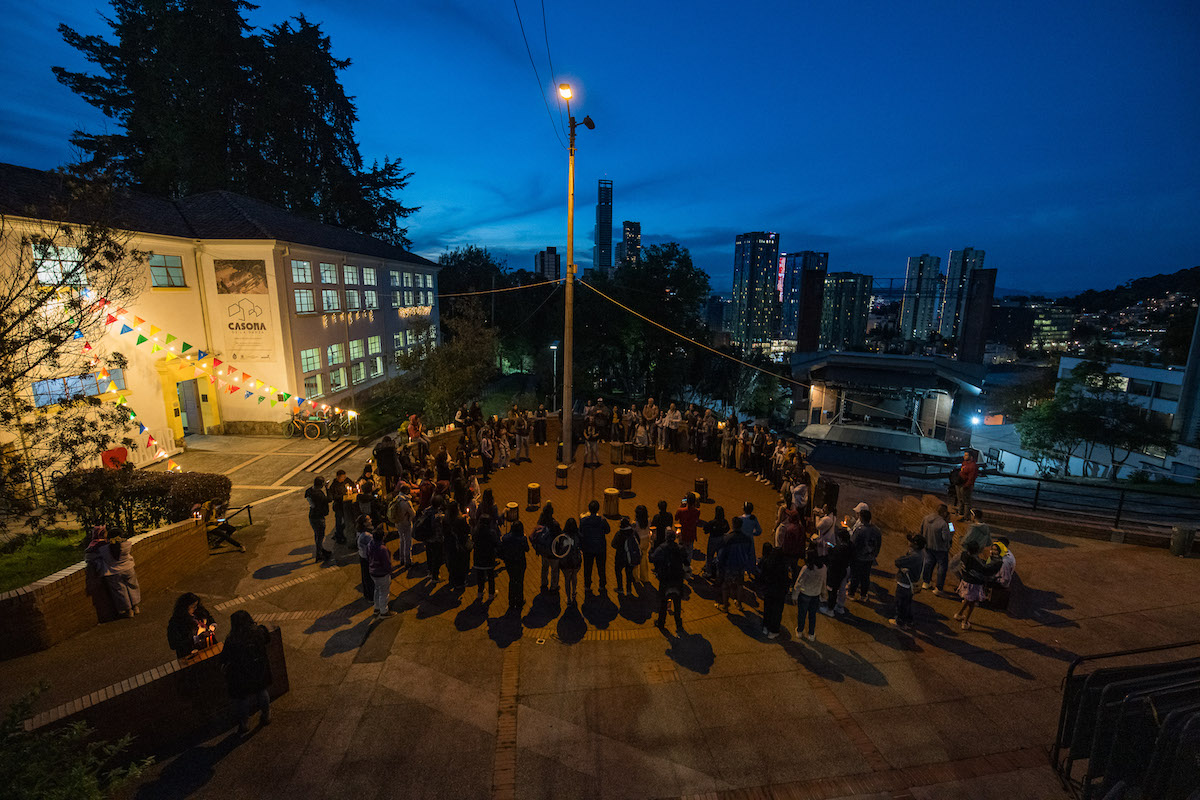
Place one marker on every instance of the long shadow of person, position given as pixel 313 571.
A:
pixel 279 570
pixel 344 641
pixel 338 617
pixel 472 616
pixel 636 607
pixel 505 629
pixel 543 610
pixel 599 610
pixel 439 601
pixel 188 772
pixel 571 626
pixel 690 650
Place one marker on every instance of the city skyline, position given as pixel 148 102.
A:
pixel 1078 172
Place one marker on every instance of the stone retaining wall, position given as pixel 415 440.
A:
pixel 59 606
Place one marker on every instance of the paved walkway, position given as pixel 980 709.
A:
pixel 452 698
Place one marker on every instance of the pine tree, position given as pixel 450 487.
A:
pixel 203 102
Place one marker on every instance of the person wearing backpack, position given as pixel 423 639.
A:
pixel 380 564
pixel 566 549
pixel 866 541
pixel 247 669
pixel 429 531
pixel 364 542
pixel 735 558
pixel 908 581
pixel 669 560
pixel 512 549
pixel 790 540
pixel 628 555
pixel 318 510
pixel 593 538
pixel 400 514
pixel 715 528
pixel 486 538
pixel 774 573
pixel 544 534
pixel 837 561
pixel 456 542
pixel 807 593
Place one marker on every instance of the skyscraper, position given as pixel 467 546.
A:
pixel 974 319
pixel 958 279
pixel 548 264
pixel 629 249
pixel 602 260
pixel 755 292
pixel 845 306
pixel 918 308
pixel 803 286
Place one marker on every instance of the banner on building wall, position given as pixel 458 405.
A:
pixel 248 334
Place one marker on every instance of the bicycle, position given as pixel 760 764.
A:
pixel 337 426
pixel 299 426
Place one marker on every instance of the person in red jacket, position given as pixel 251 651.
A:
pixel 967 474
pixel 688 518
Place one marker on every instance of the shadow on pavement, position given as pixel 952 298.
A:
pixel 505 629
pixel 690 650
pixel 279 570
pixel 637 608
pixel 438 601
pixel 571 626
pixel 544 609
pixel 346 640
pixel 598 610
pixel 472 616
pixel 188 772
pixel 1035 539
pixel 338 617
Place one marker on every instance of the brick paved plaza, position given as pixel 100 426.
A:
pixel 452 699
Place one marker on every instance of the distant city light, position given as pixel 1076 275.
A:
pixel 976 420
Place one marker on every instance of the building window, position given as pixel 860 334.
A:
pixel 376 366
pixel 409 339
pixel 335 354
pixel 408 280
pixel 350 274
pixel 397 300
pixel 328 273
pixel 368 276
pixel 312 386
pixel 301 272
pixel 59 266
pixel 395 276
pixel 358 372
pixel 370 299
pixel 166 271
pixel 330 301
pixel 351 299
pixel 408 298
pixel 356 349
pixel 304 301
pixel 374 345
pixel 54 391
pixel 337 380
pixel 397 341
pixel 310 360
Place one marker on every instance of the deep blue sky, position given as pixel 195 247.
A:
pixel 1061 137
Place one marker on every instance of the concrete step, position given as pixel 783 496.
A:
pixel 329 456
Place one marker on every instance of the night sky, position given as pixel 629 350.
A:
pixel 1060 137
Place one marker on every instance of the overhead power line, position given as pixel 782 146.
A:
pixel 553 80
pixel 541 86
pixel 503 289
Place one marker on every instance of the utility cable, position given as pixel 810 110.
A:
pixel 713 350
pixel 541 86
pixel 503 289
pixel 553 80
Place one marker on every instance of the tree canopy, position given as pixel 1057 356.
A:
pixel 203 102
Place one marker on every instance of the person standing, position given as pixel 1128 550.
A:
pixel 967 474
pixel 972 588
pixel 807 593
pixel 866 541
pixel 247 669
pixel 935 529
pixel 566 550
pixel 539 424
pixel 401 515
pixel 735 557
pixel 980 533
pixel 545 533
pixel 659 526
pixel 365 541
pixel 387 463
pixel 486 539
pixel 486 453
pixel 318 509
pixel 641 526
pixel 750 523
pixel 628 554
pixel 668 559
pixel 593 537
pixel 379 562
pixel 908 567
pixel 673 419
pixel 650 412
pixel 111 559
pixel 774 574
pixel 456 533
pixel 512 549
pixel 841 553
pixel 337 495
pixel 715 529
pixel 591 441
pixel 435 552
pixel 521 430
pixel 688 517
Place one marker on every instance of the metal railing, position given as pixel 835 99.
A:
pixel 1111 504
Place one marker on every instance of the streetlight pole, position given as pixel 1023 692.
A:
pixel 564 90
pixel 554 383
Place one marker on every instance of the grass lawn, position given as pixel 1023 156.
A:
pixel 34 561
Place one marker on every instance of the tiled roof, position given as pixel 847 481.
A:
pixel 212 215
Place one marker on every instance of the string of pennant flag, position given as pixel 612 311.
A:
pixel 226 377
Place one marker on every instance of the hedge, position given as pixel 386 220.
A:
pixel 137 500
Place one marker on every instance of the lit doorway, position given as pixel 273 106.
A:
pixel 189 407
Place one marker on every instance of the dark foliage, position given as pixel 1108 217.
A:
pixel 138 500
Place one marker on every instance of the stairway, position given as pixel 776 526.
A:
pixel 330 456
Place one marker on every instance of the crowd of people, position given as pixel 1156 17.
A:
pixel 805 554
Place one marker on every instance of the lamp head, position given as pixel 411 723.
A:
pixel 564 91
pixel 587 123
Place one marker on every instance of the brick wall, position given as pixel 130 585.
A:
pixel 64 604
pixel 165 706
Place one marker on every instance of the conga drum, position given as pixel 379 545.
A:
pixel 702 489
pixel 612 503
pixel 534 491
pixel 560 476
pixel 623 479
pixel 512 512
pixel 616 452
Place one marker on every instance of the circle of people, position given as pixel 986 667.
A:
pixel 814 560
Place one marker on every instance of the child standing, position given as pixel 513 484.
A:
pixel 807 593
pixel 908 573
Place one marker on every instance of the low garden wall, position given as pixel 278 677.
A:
pixel 59 606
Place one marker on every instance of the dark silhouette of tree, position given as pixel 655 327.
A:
pixel 202 102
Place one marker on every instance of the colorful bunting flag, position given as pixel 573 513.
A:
pixel 87 347
pixel 216 362
pixel 121 312
pixel 103 373
pixel 137 321
pixel 141 428
pixel 77 335
pixel 260 398
pixel 151 440
pixel 110 319
pixel 171 465
pixel 200 354
pixel 245 377
pixel 273 402
pixel 211 379
pixel 112 387
pixel 122 400
pixel 171 338
pixel 155 348
pixel 248 395
pixel 154 329
pixel 287 396
pixel 170 356
pixel 299 400
pixel 125 329
pixel 141 339
pixel 185 347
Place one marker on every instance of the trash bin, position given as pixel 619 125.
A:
pixel 1181 540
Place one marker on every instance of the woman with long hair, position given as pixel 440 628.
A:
pixel 570 557
pixel 191 627
pixel 111 559
pixel 641 525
